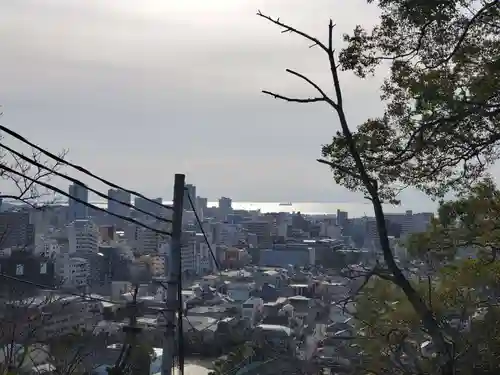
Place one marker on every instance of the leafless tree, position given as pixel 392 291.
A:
pixel 356 173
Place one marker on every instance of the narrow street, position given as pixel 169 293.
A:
pixel 311 343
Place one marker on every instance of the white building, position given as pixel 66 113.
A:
pixel 83 235
pixel 204 261
pixel 75 272
pixel 262 229
pixel 252 309
pixel 5 253
pixel 225 207
pixel 188 251
pixel 228 234
pixel 146 241
pixel 47 247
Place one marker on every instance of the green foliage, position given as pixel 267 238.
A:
pixel 458 294
pixel 470 222
pixel 235 360
pixel 460 290
pixel 439 129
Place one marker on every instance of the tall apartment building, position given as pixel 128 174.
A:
pixel 76 209
pixel 48 247
pixel 225 207
pixel 262 229
pixel 228 234
pixel 152 206
pixel 116 208
pixel 27 267
pixel 144 240
pixel 16 231
pixel 410 222
pixel 188 251
pixel 83 235
pixel 75 272
pixel 201 204
pixel 52 316
pixel 342 218
pixel 204 261
pixel 191 191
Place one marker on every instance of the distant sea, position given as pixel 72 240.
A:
pixel 354 209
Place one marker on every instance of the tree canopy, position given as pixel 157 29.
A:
pixel 469 223
pixel 438 132
pixel 439 128
pixel 462 294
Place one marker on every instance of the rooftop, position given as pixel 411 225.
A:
pixel 276 328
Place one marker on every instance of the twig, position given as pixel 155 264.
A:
pixel 294 100
pixel 288 28
pixel 340 168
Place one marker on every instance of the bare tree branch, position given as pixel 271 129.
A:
pixel 294 100
pixel 362 174
pixel 288 28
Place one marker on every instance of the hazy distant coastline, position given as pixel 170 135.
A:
pixel 309 208
pixel 317 208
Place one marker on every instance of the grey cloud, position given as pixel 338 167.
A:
pixel 141 90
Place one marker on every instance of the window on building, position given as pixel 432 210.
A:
pixel 19 269
pixel 43 268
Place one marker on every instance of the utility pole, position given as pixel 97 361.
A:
pixel 173 269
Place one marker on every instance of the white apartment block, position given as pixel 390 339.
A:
pixel 156 264
pixel 75 272
pixel 188 250
pixel 261 228
pixel 83 235
pixel 228 234
pixel 146 241
pixel 203 262
pixel 65 314
pixel 47 247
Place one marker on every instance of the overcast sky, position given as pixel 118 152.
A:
pixel 140 90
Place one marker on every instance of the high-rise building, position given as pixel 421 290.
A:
pixel 83 235
pixel 342 218
pixel 117 208
pixel 76 272
pixel 201 207
pixel 16 231
pixel 191 192
pixel 225 207
pixel 262 229
pixel 152 206
pixel 76 209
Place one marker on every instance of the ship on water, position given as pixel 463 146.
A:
pixel 286 204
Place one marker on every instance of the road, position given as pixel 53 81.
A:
pixel 311 343
pixel 194 367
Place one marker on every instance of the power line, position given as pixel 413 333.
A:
pixel 131 330
pixel 78 182
pixel 202 230
pixel 60 191
pixel 42 286
pixel 75 166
